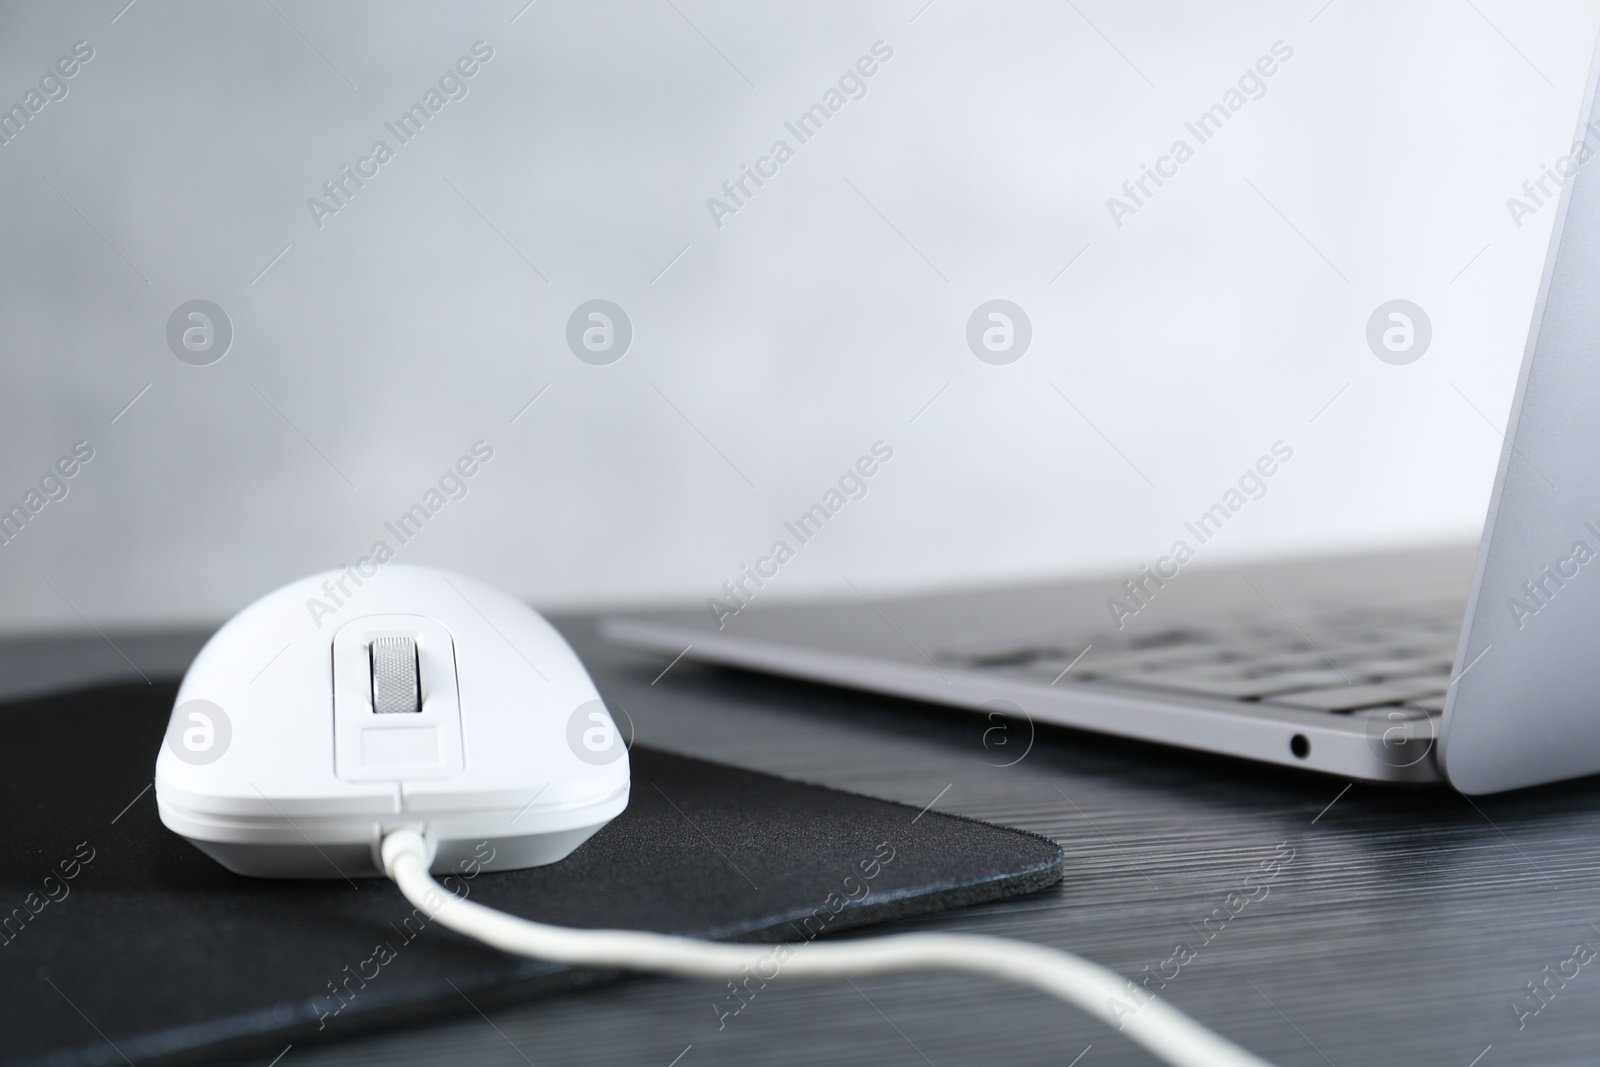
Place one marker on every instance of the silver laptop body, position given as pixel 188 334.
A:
pixel 1479 667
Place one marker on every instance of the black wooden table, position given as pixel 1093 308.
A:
pixel 1313 921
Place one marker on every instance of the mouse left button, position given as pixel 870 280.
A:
pixel 395 686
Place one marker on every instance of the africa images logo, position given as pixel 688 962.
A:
pixel 453 84
pixel 851 85
pixel 599 332
pixel 592 735
pixel 1399 332
pixel 199 732
pixel 199 332
pixel 999 332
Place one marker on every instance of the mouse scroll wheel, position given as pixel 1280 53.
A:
pixel 394 675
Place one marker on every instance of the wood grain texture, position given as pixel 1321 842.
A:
pixel 1400 931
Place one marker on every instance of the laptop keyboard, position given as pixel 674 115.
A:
pixel 1338 662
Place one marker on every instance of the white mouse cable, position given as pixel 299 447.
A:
pixel 1156 1025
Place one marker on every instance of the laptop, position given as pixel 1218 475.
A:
pixel 1475 665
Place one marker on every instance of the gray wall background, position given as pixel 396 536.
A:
pixel 775 350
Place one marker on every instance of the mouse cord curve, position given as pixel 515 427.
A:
pixel 1159 1027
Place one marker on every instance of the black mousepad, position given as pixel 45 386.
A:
pixel 120 942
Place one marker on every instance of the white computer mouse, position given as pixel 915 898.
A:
pixel 356 702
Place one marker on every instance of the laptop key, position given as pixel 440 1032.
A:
pixel 1433 705
pixel 1120 662
pixel 1353 697
pixel 1286 661
pixel 1389 669
pixel 1206 684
